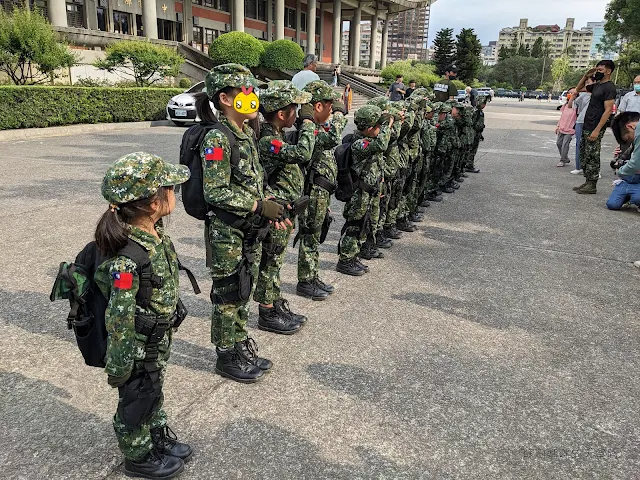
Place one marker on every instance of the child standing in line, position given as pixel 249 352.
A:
pixel 566 129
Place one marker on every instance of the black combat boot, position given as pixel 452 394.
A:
pixel 359 263
pixel 392 232
pixel 405 225
pixel 420 210
pixel 589 188
pixel 464 175
pixel 273 320
pixel 472 170
pixel 249 350
pixel 448 189
pixel 369 251
pixel 234 365
pixel 165 441
pixel 311 290
pixel 425 203
pixel 460 179
pixel 327 287
pixel 434 197
pixel 455 185
pixel 382 241
pixel 415 217
pixel 350 267
pixel 580 187
pixel 282 306
pixel 154 465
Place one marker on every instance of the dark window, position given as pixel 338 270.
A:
pixel 318 26
pixel 40 5
pixel 303 21
pixel 167 30
pixel 262 10
pixel 197 38
pixel 121 21
pixel 140 27
pixel 179 36
pixel 223 5
pixel 75 15
pixel 209 3
pixel 209 36
pixel 102 18
pixel 250 9
pixel 289 18
pixel 196 2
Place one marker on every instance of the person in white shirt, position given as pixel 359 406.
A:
pixel 308 75
pixel 631 101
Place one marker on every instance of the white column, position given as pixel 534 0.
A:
pixel 337 31
pixel 311 26
pixel 149 19
pixel 269 20
pixel 298 20
pixel 355 25
pixel 237 16
pixel 279 19
pixel 57 12
pixel 385 40
pixel 374 41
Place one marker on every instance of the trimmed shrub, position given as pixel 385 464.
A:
pixel 283 55
pixel 26 107
pixel 184 83
pixel 236 47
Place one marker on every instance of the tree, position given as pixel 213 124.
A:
pixel 536 50
pixel 443 50
pixel 282 55
pixel 518 72
pixel 30 51
pixel 423 73
pixel 622 20
pixel 545 52
pixel 237 47
pixel 522 51
pixel 468 49
pixel 146 62
pixel 508 52
pixel 559 69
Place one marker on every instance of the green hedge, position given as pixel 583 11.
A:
pixel 35 106
pixel 282 55
pixel 236 47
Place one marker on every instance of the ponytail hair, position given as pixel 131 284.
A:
pixel 112 232
pixel 203 108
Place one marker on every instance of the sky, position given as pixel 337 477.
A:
pixel 487 17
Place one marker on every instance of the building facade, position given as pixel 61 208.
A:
pixel 598 33
pixel 316 26
pixel 560 39
pixel 489 53
pixel 409 34
pixel 366 47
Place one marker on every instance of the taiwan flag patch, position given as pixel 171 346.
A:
pixel 214 154
pixel 365 144
pixel 315 132
pixel 275 147
pixel 122 280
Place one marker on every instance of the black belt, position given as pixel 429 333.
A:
pixel 323 182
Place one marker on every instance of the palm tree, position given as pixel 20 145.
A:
pixel 546 51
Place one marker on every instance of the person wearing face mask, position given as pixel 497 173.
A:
pixel 445 89
pixel 631 101
pixel 603 94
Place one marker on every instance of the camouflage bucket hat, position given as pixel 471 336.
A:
pixel 367 116
pixel 480 99
pixel 140 175
pixel 230 75
pixel 381 102
pixel 442 107
pixel 321 91
pixel 281 93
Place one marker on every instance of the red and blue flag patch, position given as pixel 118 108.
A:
pixel 214 154
pixel 122 280
pixel 365 144
pixel 276 145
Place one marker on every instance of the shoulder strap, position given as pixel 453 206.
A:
pixel 148 280
pixel 192 278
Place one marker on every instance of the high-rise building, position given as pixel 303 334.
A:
pixel 409 33
pixel 598 33
pixel 365 44
pixel 489 53
pixel 560 40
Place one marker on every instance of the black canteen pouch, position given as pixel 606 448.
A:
pixel 139 400
pixel 240 283
pixel 326 225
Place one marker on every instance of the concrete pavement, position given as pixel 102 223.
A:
pixel 500 340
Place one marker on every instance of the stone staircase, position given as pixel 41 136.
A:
pixel 357 100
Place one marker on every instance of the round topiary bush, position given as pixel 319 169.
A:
pixel 236 47
pixel 184 83
pixel 283 55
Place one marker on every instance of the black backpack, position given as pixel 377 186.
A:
pixel 75 282
pixel 193 189
pixel 347 179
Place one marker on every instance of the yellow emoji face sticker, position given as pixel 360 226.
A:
pixel 246 101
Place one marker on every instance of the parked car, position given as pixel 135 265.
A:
pixel 181 109
pixel 562 99
pixel 462 96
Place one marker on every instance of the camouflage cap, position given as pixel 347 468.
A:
pixel 367 116
pixel 279 94
pixel 481 99
pixel 381 102
pixel 321 91
pixel 230 75
pixel 442 107
pixel 139 175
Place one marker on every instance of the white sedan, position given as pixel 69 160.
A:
pixel 182 108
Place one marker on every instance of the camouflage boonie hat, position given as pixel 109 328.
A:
pixel 321 91
pixel 442 107
pixel 367 116
pixel 230 75
pixel 481 99
pixel 279 94
pixel 140 175
pixel 382 103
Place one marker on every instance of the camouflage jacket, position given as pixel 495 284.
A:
pixel 413 138
pixel 368 156
pixel 468 132
pixel 232 189
pixel 446 132
pixel 478 124
pixel 392 158
pixel 125 346
pixel 283 160
pixel 428 137
pixel 329 136
pixel 403 142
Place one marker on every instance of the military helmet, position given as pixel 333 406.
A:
pixel 230 75
pixel 367 117
pixel 279 94
pixel 140 175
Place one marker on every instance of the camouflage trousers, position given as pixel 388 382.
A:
pixel 427 176
pixel 135 443
pixel 395 198
pixel 274 249
pixel 414 193
pixel 385 199
pixel 376 210
pixel 448 163
pixel 460 162
pixel 590 156
pixel 309 230
pixel 357 214
pixel 472 155
pixel 229 320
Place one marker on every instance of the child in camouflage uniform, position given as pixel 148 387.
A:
pixel 281 162
pixel 140 190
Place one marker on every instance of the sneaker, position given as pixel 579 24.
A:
pixel 636 264
pixel 560 164
pixel 576 172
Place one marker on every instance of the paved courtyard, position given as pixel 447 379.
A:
pixel 499 341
